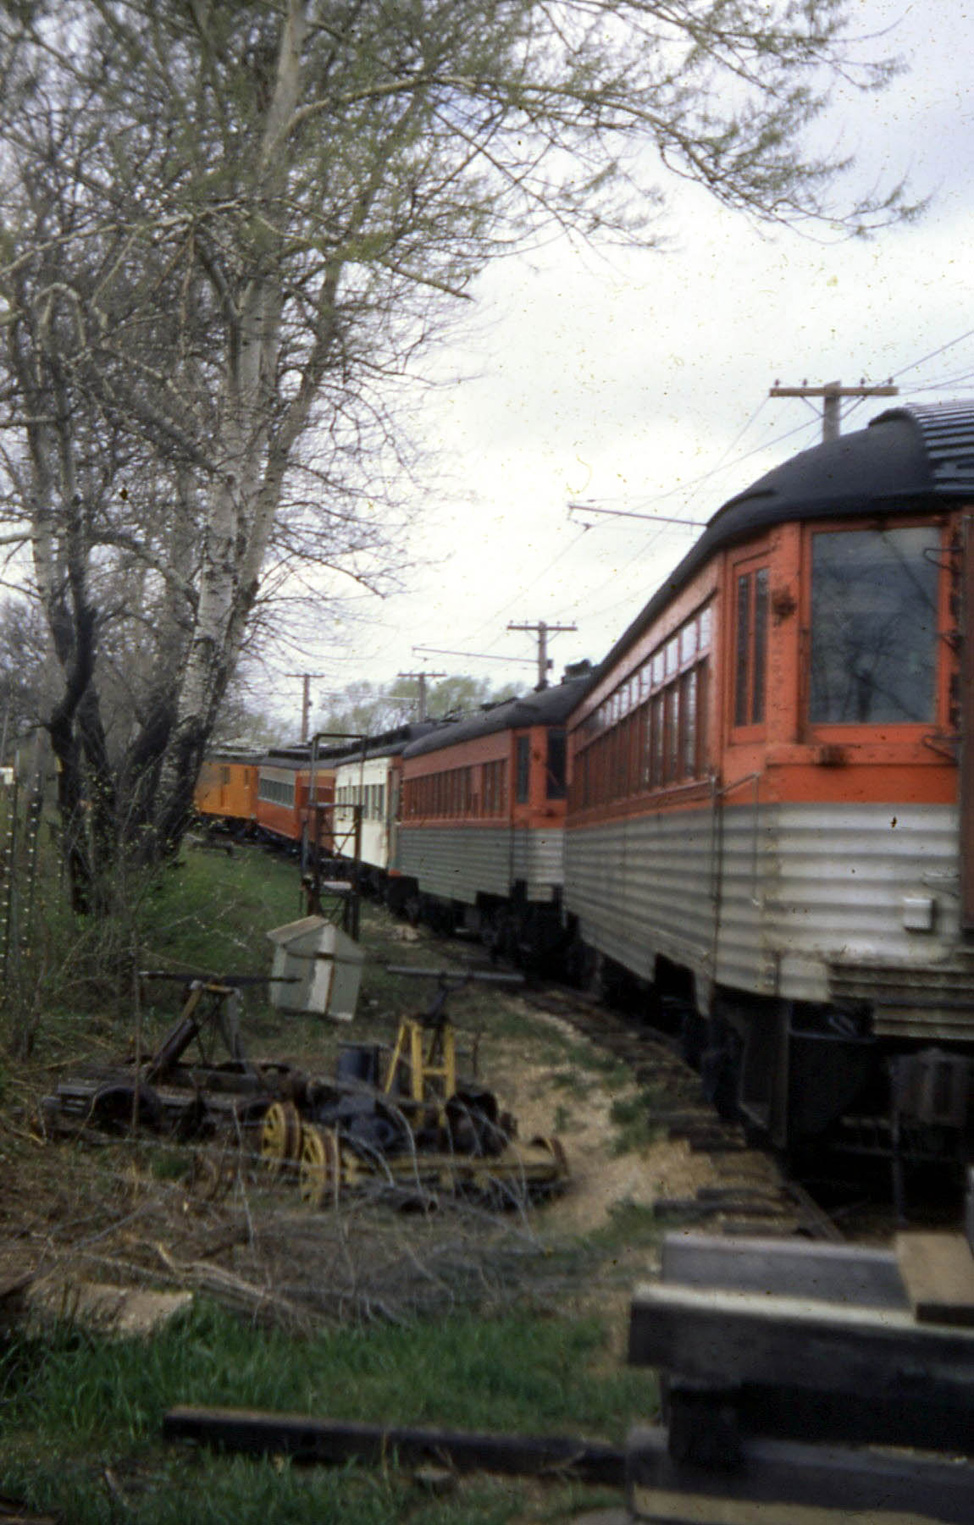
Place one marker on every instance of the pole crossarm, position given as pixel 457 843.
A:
pixel 542 631
pixel 422 678
pixel 832 393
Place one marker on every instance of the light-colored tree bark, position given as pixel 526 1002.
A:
pixel 228 227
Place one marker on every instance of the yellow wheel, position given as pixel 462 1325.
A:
pixel 555 1149
pixel 352 1169
pixel 319 1175
pixel 280 1134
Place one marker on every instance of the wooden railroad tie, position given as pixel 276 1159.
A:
pixel 785 1364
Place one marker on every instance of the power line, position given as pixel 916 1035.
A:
pixel 542 631
pixel 523 591
pixel 935 352
pixel 422 678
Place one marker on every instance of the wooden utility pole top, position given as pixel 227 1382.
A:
pixel 542 631
pixel 306 678
pixel 421 679
pixel 832 394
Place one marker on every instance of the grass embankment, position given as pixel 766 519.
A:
pixel 80 1430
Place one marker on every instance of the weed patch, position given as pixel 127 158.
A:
pixel 632 1117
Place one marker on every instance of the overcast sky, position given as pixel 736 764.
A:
pixel 639 380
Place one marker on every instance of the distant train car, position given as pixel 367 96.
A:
pixel 771 816
pixel 285 795
pixel 226 791
pixel 368 782
pixel 482 822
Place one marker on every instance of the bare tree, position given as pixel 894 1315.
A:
pixel 228 228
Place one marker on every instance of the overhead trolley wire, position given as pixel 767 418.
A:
pixel 935 352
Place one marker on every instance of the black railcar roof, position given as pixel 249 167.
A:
pixel 910 457
pixel 546 706
pixel 294 758
pixel 387 744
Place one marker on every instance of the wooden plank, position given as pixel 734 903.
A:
pixel 938 1273
pixel 731 1338
pixel 794 1268
pixel 781 1483
pixel 701 1418
pixel 338 1441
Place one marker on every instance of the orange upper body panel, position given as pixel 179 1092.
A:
pixel 783 757
pixel 227 789
pixel 469 805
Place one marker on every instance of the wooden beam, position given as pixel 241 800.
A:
pixel 938 1272
pixel 830 1273
pixel 337 1441
pixel 781 1483
pixel 728 1339
pixel 704 1420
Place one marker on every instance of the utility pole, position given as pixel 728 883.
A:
pixel 306 678
pixel 832 394
pixel 421 679
pixel 542 631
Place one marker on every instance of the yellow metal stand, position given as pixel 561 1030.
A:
pixel 433 1074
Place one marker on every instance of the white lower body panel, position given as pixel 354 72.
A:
pixel 795 901
pixel 461 864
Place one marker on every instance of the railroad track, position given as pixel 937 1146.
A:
pixel 749 1191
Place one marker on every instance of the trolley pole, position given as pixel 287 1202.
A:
pixel 832 394
pixel 543 631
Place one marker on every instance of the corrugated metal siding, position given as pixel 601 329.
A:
pixel 642 887
pixel 948 436
pixel 457 864
pixel 809 896
pixel 844 872
pixel 539 859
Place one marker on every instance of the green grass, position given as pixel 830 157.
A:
pixel 76 1405
pixel 209 913
pixel 80 1418
pixel 632 1117
pixel 631 1225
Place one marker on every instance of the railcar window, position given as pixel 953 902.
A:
pixel 523 768
pixel 662 740
pixel 752 647
pixel 874 626
pixel 494 780
pixel 743 649
pixel 275 791
pixel 556 765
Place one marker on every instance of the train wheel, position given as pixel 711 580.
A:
pixel 280 1134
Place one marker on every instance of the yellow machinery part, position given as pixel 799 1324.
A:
pixel 437 1064
pixel 327 1169
pixel 280 1134
pixel 319 1177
